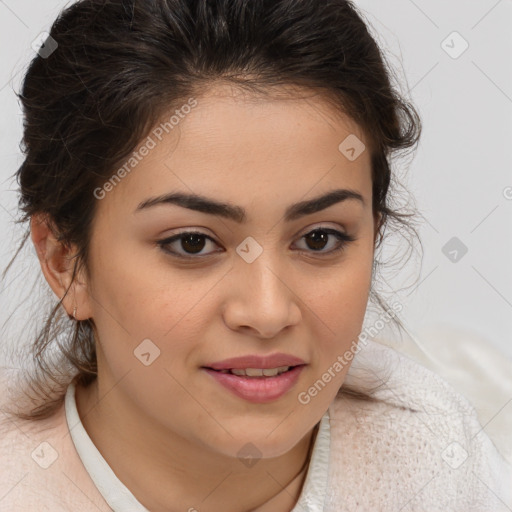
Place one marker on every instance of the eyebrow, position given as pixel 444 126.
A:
pixel 238 214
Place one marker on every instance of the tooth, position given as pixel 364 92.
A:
pixel 257 372
pixel 254 372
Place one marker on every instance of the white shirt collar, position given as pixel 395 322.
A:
pixel 120 499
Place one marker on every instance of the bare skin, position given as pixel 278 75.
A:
pixel 169 431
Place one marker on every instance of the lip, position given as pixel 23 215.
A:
pixel 258 389
pixel 255 361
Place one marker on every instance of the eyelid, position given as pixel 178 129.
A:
pixel 342 236
pixel 314 227
pixel 176 236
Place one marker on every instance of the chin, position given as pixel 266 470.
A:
pixel 257 443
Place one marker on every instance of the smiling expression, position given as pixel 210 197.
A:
pixel 244 232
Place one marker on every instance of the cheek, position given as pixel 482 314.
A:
pixel 339 296
pixel 143 293
pixel 132 304
pixel 339 317
pixel 339 303
pixel 172 317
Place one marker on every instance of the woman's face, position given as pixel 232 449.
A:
pixel 259 282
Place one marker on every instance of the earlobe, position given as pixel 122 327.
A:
pixel 57 263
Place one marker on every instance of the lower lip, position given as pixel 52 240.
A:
pixel 258 389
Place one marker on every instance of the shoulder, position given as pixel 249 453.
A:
pixel 40 467
pixel 420 443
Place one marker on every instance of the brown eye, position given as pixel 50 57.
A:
pixel 193 243
pixel 187 245
pixel 318 239
pixel 190 244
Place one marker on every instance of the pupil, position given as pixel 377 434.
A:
pixel 194 241
pixel 318 237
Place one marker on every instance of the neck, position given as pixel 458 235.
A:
pixel 158 468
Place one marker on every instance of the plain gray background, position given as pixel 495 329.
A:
pixel 460 177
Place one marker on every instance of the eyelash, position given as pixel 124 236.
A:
pixel 343 238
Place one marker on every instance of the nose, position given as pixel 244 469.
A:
pixel 261 299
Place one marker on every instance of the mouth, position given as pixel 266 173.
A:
pixel 257 385
pixel 256 372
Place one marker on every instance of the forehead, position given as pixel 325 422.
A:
pixel 286 123
pixel 232 145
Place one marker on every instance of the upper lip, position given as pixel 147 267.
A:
pixel 254 361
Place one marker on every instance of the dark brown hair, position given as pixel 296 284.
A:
pixel 121 65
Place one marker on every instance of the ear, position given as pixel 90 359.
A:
pixel 57 266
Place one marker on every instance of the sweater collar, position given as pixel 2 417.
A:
pixel 120 499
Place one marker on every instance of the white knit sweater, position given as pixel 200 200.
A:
pixel 419 448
